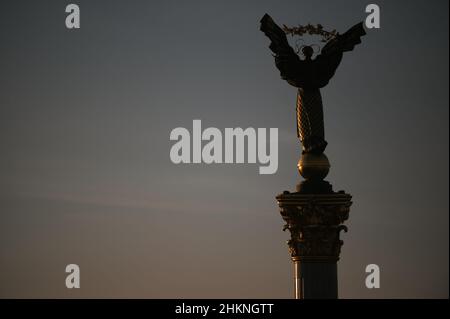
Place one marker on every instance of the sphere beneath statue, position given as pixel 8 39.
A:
pixel 313 166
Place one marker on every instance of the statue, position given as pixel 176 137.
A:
pixel 309 75
pixel 314 214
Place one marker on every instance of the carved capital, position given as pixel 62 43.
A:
pixel 315 223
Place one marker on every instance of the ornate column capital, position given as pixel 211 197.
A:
pixel 315 222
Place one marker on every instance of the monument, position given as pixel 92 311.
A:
pixel 314 213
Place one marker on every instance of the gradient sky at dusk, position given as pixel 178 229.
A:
pixel 85 173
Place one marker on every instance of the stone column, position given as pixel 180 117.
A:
pixel 314 215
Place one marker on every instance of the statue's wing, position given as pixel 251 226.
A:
pixel 345 42
pixel 286 60
pixel 327 62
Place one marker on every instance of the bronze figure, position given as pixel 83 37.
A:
pixel 309 75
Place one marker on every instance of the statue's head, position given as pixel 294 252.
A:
pixel 307 51
pixel 301 31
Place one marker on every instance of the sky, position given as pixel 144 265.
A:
pixel 85 172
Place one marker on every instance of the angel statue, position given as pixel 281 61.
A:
pixel 308 74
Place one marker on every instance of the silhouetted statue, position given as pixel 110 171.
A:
pixel 309 76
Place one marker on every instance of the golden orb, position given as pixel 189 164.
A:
pixel 313 166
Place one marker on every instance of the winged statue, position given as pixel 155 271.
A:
pixel 309 76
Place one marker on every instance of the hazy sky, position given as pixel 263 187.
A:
pixel 85 173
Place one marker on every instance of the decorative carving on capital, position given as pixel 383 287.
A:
pixel 316 241
pixel 315 223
